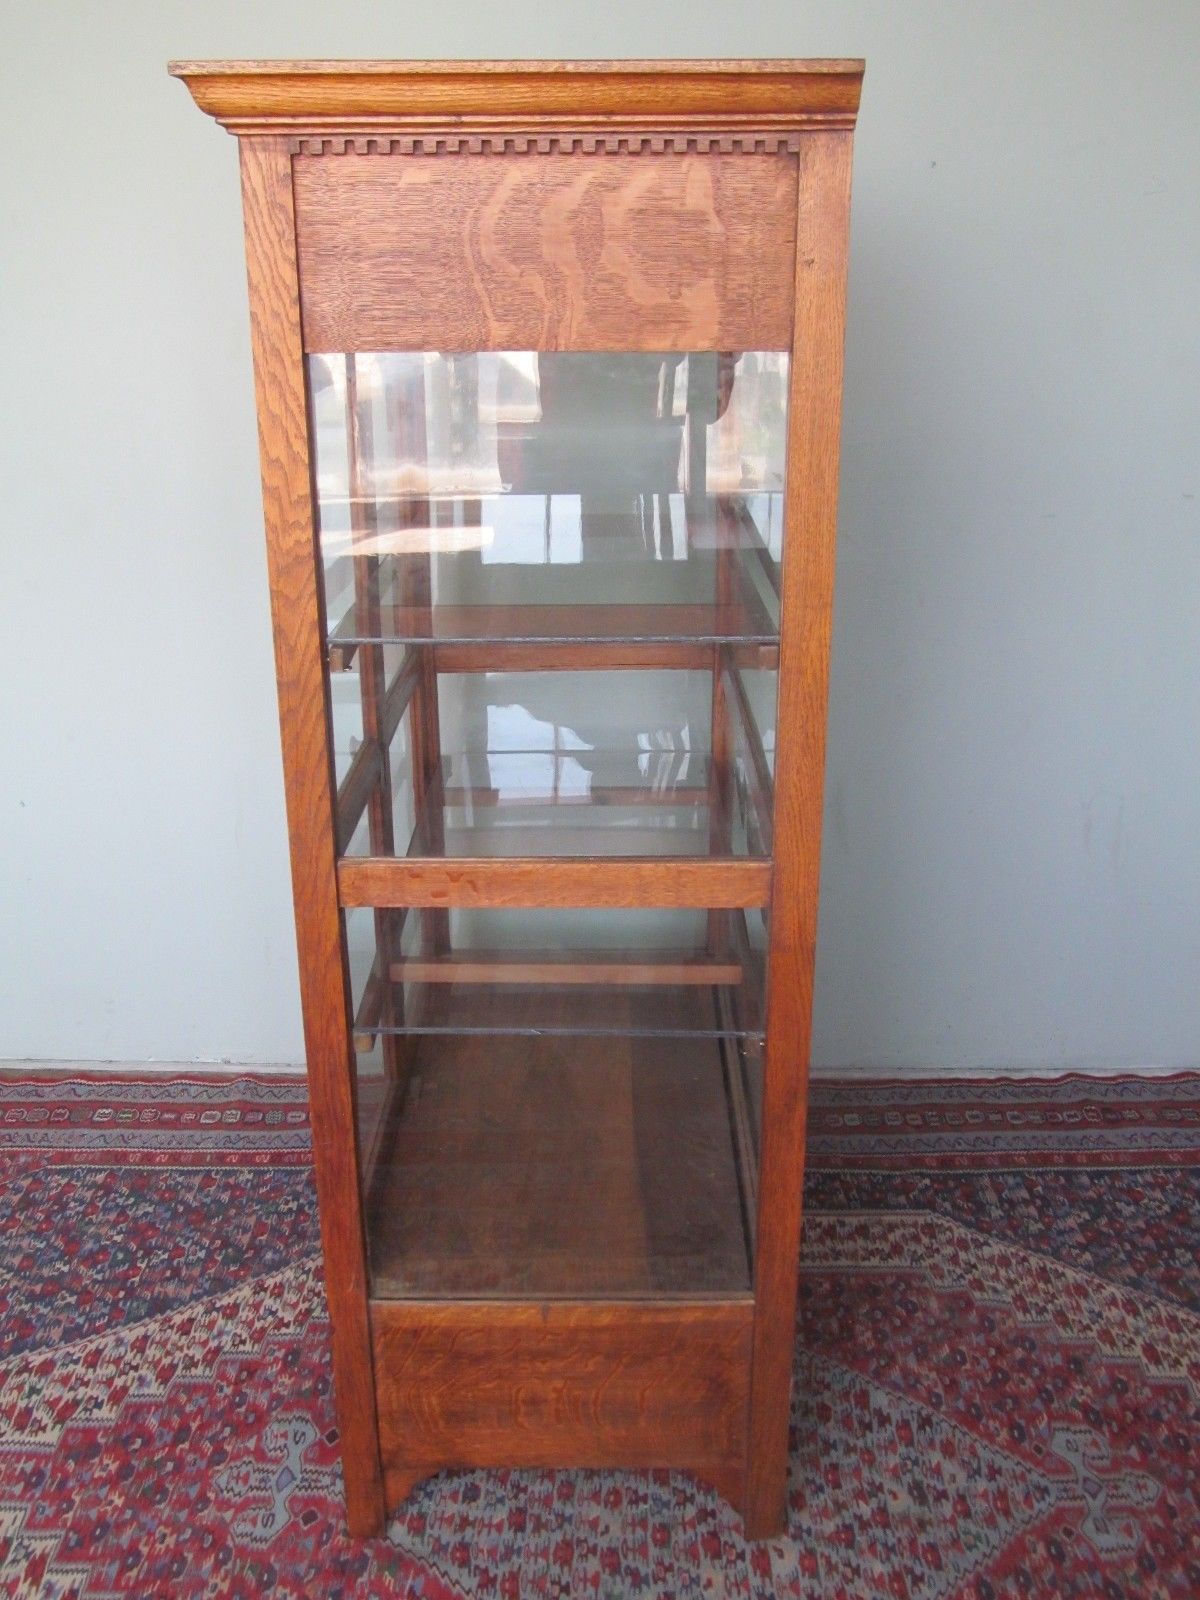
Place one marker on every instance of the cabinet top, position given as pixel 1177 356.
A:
pixel 266 97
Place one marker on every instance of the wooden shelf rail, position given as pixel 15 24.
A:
pixel 594 968
pixel 529 881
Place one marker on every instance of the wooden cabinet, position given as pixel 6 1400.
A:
pixel 548 364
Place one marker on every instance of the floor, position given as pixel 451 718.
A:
pixel 998 1364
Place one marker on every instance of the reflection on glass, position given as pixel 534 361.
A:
pixel 555 764
pixel 567 971
pixel 597 1061
pixel 551 586
pixel 479 486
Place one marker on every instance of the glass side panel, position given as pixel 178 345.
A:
pixel 557 497
pixel 554 1103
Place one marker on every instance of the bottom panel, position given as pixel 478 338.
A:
pixel 556 1168
pixel 562 1385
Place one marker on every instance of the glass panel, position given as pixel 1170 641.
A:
pixel 552 599
pixel 541 763
pixel 514 1168
pixel 564 497
pixel 565 971
pixel 546 1125
pixel 751 708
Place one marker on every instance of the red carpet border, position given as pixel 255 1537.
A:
pixel 998 1365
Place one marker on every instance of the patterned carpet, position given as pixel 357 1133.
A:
pixel 998 1365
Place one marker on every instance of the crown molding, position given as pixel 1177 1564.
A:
pixel 421 100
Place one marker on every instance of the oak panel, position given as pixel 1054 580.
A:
pixel 560 1384
pixel 560 252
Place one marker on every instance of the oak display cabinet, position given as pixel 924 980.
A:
pixel 548 367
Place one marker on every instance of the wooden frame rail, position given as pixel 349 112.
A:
pixel 356 788
pixel 399 695
pixel 595 968
pixel 531 881
pixel 366 770
pixel 755 542
pixel 342 644
pixel 608 655
pixel 369 1015
pixel 742 616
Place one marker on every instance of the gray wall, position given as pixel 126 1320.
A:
pixel 1012 862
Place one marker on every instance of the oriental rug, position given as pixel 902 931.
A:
pixel 997 1365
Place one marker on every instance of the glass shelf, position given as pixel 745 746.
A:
pixel 566 623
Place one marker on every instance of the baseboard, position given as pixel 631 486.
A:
pixel 1043 1071
pixel 156 1069
pixel 291 1069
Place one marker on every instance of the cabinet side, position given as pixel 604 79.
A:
pixel 814 427
pixel 298 623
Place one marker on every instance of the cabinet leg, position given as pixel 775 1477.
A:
pixel 399 1482
pixel 764 1504
pixel 366 1515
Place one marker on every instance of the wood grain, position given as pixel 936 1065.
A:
pixel 560 253
pixel 557 1167
pixel 814 418
pixel 541 881
pixel 309 788
pixel 585 1384
pixel 450 96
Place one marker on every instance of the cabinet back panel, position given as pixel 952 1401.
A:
pixel 563 252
